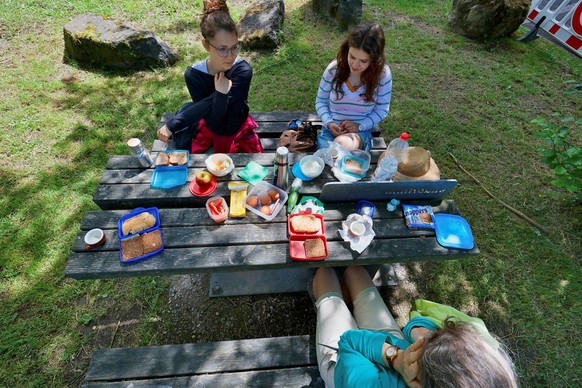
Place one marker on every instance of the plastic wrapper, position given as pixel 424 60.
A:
pixel 418 216
pixel 309 205
pixel 332 153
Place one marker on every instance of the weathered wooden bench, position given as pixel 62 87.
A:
pixel 245 256
pixel 263 362
pixel 272 124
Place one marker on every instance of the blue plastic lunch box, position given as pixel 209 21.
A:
pixel 153 211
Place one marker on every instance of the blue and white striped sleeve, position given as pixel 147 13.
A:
pixel 323 95
pixel 382 105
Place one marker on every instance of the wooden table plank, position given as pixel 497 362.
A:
pixel 201 358
pixel 233 258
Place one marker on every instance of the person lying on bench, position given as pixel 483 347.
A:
pixel 439 347
pixel 355 89
pixel 219 86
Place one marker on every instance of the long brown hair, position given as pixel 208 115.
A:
pixel 216 17
pixel 456 356
pixel 370 39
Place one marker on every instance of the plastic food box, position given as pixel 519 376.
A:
pixel 261 189
pixel 224 206
pixel 356 156
pixel 166 177
pixel 297 240
pixel 294 233
pixel 153 211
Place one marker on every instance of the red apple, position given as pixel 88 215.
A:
pixel 203 178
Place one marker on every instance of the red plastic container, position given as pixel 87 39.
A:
pixel 297 247
pixel 297 240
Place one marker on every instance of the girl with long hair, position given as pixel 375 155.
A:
pixel 355 89
pixel 218 115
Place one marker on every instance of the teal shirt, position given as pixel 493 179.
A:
pixel 359 362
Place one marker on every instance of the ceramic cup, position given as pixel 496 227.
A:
pixel 94 238
pixel 357 228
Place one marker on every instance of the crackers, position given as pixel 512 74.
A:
pixel 306 224
pixel 314 248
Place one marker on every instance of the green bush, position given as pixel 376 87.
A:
pixel 560 155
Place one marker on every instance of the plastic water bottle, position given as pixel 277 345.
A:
pixel 294 194
pixel 140 151
pixel 398 147
pixel 385 170
pixel 394 154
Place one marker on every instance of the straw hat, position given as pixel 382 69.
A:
pixel 417 165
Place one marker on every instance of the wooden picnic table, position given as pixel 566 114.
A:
pixel 239 249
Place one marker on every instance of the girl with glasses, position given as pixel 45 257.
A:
pixel 355 89
pixel 218 115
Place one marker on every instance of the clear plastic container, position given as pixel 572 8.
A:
pixel 355 164
pixel 261 189
pixel 222 208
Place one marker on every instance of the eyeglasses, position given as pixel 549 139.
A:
pixel 223 51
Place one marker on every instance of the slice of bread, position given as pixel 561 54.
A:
pixel 178 158
pixel 314 248
pixel 162 159
pixel 305 223
pixel 151 241
pixel 353 166
pixel 131 248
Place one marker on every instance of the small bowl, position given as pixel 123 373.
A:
pixel 219 164
pixel 311 166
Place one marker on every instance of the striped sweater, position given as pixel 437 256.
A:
pixel 352 107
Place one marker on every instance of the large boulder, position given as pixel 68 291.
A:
pixel 99 41
pixel 261 23
pixel 488 19
pixel 343 12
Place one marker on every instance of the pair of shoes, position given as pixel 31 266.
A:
pixel 311 294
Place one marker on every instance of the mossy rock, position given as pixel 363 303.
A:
pixel 261 23
pixel 103 42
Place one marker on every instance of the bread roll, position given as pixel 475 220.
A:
pixel 314 248
pixel 305 224
pixel 138 223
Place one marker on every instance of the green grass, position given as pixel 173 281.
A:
pixel 60 124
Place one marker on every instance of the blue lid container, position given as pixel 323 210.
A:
pixel 135 212
pixel 453 231
pixel 166 177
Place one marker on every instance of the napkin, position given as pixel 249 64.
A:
pixel 253 173
pixel 357 243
